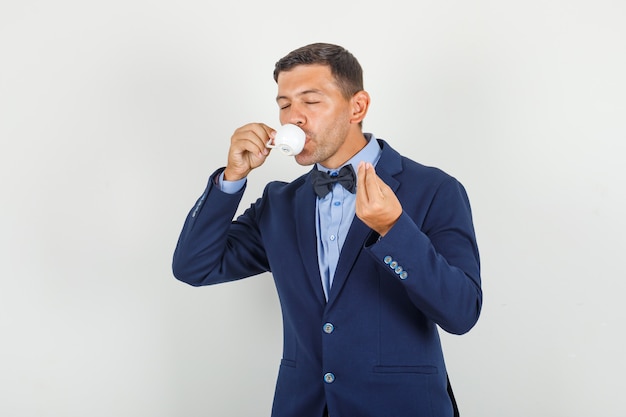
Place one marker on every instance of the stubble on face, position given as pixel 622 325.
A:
pixel 309 96
pixel 322 146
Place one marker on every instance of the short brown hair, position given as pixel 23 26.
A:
pixel 343 65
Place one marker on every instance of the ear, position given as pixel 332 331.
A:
pixel 360 103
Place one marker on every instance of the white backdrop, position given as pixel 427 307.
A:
pixel 113 114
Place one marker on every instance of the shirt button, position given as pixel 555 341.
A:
pixel 329 328
pixel 332 237
pixel 329 378
pixel 337 203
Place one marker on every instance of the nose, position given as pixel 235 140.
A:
pixel 296 116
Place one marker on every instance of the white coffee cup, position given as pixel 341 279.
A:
pixel 289 139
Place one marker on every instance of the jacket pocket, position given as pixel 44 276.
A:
pixel 288 362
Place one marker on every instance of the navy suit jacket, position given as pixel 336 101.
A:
pixel 373 349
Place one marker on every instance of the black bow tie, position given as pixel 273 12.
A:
pixel 323 181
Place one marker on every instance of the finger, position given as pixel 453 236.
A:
pixel 384 189
pixel 372 183
pixel 261 130
pixel 265 134
pixel 252 138
pixel 244 146
pixel 361 190
pixel 269 132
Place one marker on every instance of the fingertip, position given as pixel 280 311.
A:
pixel 361 169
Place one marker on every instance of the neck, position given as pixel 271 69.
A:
pixel 353 144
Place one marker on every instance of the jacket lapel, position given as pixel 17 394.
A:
pixel 307 236
pixel 388 166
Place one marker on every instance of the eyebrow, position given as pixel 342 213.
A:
pixel 302 93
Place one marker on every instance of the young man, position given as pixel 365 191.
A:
pixel 364 277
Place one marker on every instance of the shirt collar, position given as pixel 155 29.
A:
pixel 370 153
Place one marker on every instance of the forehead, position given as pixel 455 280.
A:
pixel 303 78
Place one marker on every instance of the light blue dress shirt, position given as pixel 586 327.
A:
pixel 333 214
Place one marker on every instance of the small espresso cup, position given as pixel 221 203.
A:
pixel 289 139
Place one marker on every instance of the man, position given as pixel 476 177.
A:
pixel 364 277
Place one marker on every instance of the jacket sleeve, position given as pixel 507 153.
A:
pixel 437 261
pixel 212 248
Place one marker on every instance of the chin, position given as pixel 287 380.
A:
pixel 303 159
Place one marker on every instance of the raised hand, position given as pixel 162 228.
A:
pixel 376 204
pixel 247 150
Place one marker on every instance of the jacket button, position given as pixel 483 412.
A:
pixel 329 328
pixel 387 259
pixel 393 264
pixel 329 378
pixel 404 275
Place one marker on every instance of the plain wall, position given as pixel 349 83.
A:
pixel 113 114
